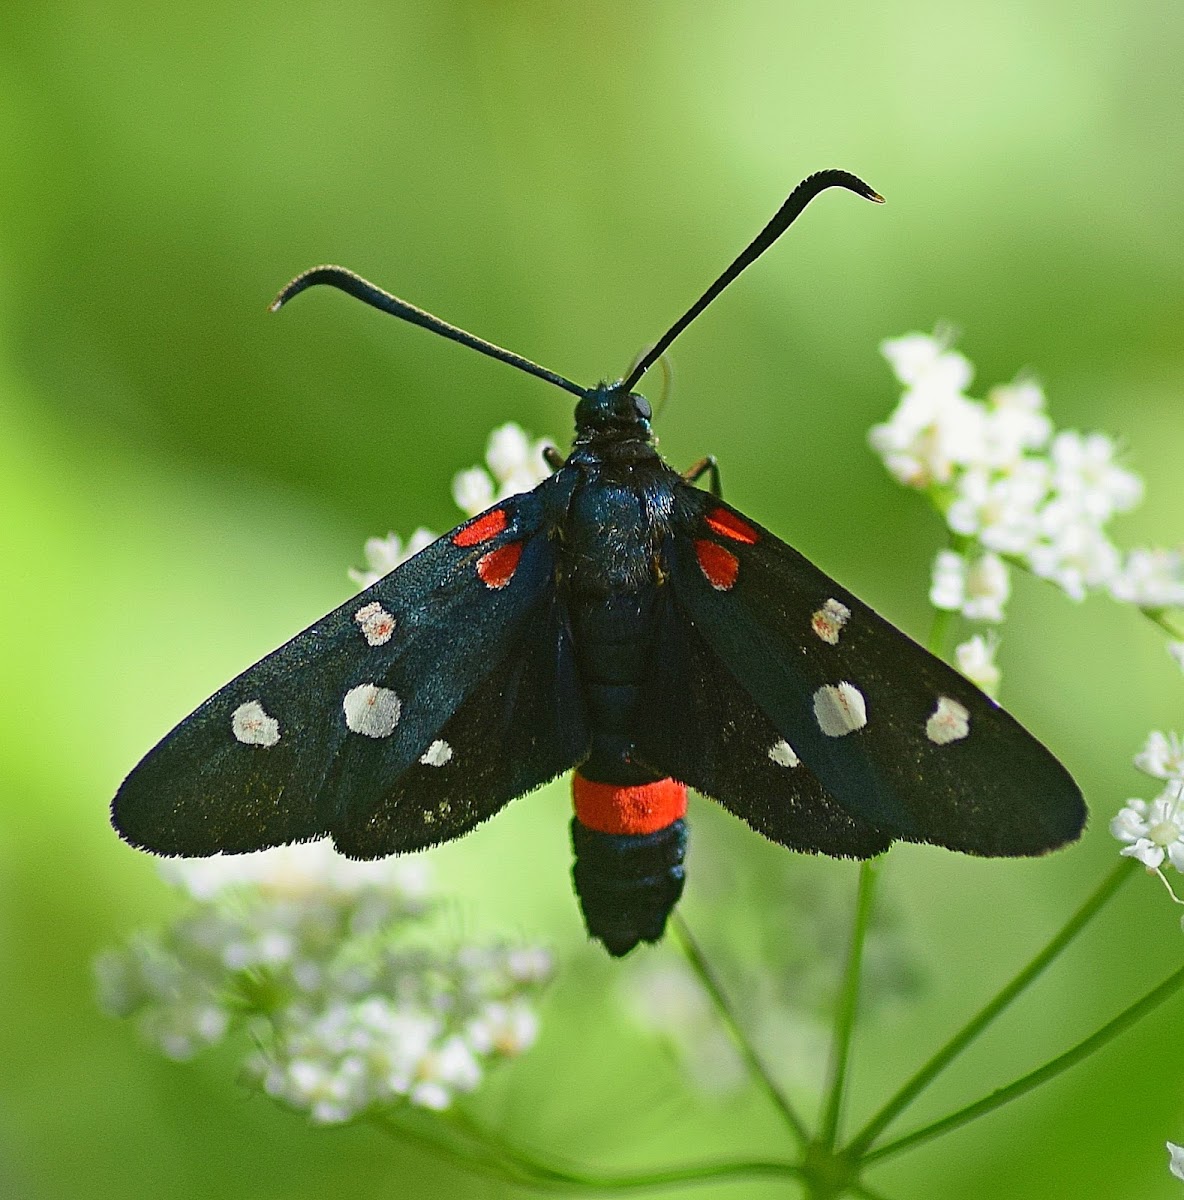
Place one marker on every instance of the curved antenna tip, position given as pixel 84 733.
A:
pixel 354 285
pixel 876 198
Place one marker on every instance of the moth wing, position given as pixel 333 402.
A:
pixel 314 737
pixel 900 740
pixel 701 727
pixel 520 727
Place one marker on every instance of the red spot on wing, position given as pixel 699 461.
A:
pixel 498 566
pixel 720 566
pixel 481 529
pixel 641 808
pixel 728 525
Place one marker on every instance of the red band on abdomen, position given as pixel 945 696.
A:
pixel 642 808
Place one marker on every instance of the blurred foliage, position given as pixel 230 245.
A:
pixel 183 482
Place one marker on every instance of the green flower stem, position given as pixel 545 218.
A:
pixel 1050 1070
pixel 713 989
pixel 865 1193
pixel 446 1148
pixel 494 1158
pixel 939 631
pixel 1159 616
pixel 942 1059
pixel 848 1001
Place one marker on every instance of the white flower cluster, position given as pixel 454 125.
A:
pixel 350 1003
pixel 1012 490
pixel 383 555
pixel 1153 831
pixel 515 464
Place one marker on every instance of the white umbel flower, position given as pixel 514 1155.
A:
pixel 1085 473
pixel 1153 831
pixel 508 451
pixel 473 490
pixel 1002 511
pixel 976 660
pixel 925 361
pixel 311 952
pixel 1162 756
pixel 1016 423
pixel 383 555
pixel 1075 554
pixel 978 589
pixel 1007 483
pixel 1150 578
pixel 928 437
pixel 513 463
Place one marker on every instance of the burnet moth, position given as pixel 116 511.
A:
pixel 623 624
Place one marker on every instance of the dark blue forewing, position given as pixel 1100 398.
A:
pixel 517 729
pixel 993 790
pixel 203 789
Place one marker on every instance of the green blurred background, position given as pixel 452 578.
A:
pixel 184 480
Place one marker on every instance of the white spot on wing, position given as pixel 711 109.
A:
pixel 829 620
pixel 839 709
pixel 950 722
pixel 376 623
pixel 783 754
pixel 437 754
pixel 371 710
pixel 253 727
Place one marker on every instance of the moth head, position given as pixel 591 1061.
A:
pixel 611 407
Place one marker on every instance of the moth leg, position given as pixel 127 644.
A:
pixel 708 465
pixel 552 457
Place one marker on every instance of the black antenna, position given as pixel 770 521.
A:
pixel 782 220
pixel 360 288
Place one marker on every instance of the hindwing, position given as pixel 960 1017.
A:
pixel 700 726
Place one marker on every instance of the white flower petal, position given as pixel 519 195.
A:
pixel 473 490
pixel 1148 853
